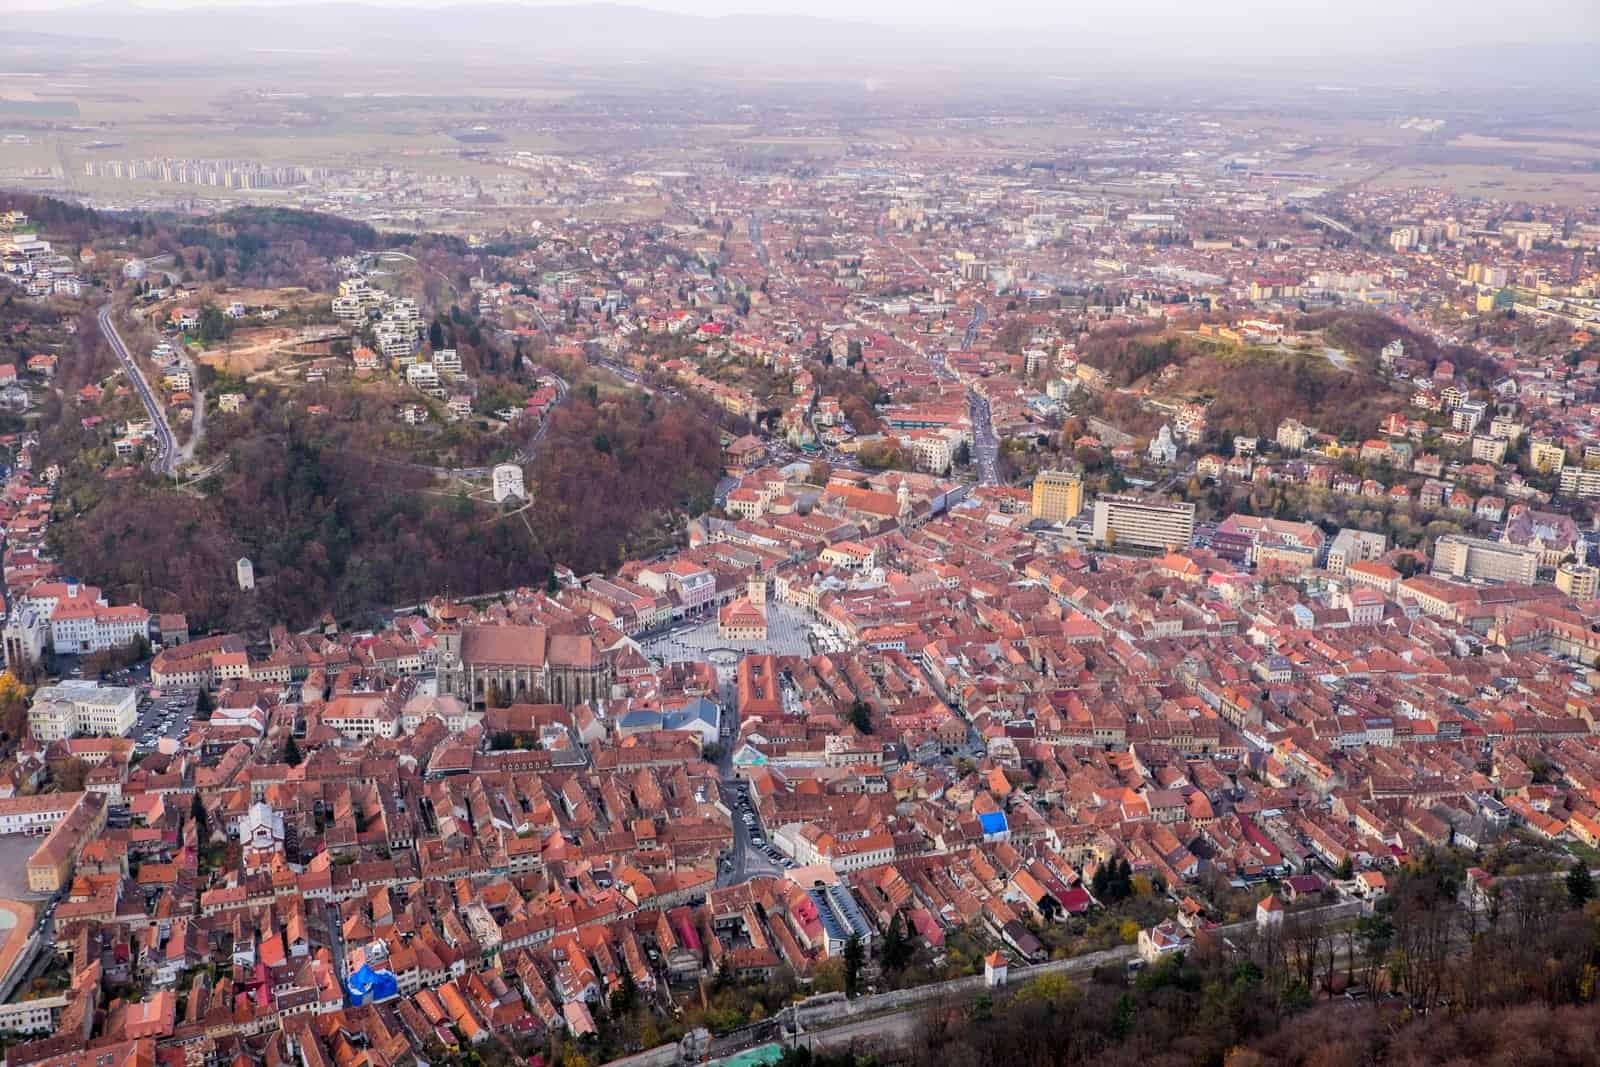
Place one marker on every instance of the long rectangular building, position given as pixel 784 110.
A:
pixel 1475 559
pixel 1137 522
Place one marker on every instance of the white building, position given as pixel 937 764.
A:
pixel 356 299
pixel 245 571
pixel 508 483
pixel 1162 448
pixel 37 814
pixel 397 340
pixel 79 620
pixel 422 375
pixel 262 828
pixel 82 707
pixel 1355 546
pixel 27 630
pixel 1467 415
pixel 1129 521
pixel 1472 558
pixel 995 970
pixel 81 627
pixel 41 1015
pixel 934 450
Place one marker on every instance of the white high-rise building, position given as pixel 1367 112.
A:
pixel 1475 559
pixel 1133 522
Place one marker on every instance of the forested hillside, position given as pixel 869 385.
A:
pixel 1251 389
pixel 331 522
pixel 340 503
pixel 1424 980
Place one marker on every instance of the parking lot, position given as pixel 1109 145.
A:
pixel 163 713
pixel 15 849
pixel 753 853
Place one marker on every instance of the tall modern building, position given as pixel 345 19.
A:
pixel 1355 546
pixel 1455 556
pixel 1057 495
pixel 1136 522
pixel 1578 580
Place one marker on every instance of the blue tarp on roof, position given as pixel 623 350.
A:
pixel 993 822
pixel 368 986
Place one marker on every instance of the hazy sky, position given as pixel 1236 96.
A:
pixel 1389 26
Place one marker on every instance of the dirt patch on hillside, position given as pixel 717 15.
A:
pixel 258 348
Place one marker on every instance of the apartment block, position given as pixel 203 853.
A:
pixel 1472 558
pixel 1130 521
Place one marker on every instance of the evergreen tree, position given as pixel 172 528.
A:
pixel 897 947
pixel 1580 884
pixel 213 326
pixel 861 716
pixel 197 812
pixel 854 957
pixel 1113 882
pixel 623 997
pixel 291 753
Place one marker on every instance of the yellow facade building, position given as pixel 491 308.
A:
pixel 1057 496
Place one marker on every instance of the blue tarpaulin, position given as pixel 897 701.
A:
pixel 368 986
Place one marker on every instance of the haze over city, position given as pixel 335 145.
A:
pixel 1064 38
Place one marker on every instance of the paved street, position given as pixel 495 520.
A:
pixel 756 244
pixel 972 327
pixel 986 447
pixel 748 861
pixel 336 938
